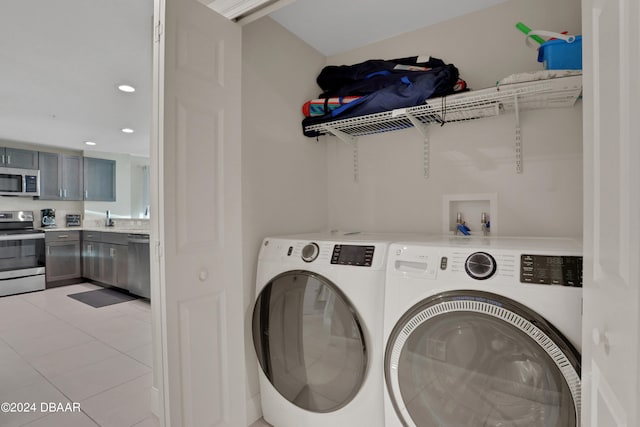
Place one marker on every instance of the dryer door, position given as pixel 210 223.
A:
pixel 309 341
pixel 469 358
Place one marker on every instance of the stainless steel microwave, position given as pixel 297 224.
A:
pixel 19 182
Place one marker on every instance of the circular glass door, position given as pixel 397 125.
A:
pixel 309 341
pixel 472 358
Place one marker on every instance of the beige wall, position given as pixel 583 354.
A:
pixel 474 157
pixel 284 174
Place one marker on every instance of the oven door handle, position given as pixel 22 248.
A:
pixel 21 273
pixel 22 237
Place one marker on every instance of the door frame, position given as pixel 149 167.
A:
pixel 159 399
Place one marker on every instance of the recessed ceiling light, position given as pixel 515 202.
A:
pixel 127 88
pixel 90 143
pixel 127 130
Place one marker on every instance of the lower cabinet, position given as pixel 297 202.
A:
pixel 105 258
pixel 115 259
pixel 101 257
pixel 62 257
pixel 91 260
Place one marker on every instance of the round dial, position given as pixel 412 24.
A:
pixel 480 265
pixel 310 252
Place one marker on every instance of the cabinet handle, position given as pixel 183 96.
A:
pixel 63 236
pixel 60 192
pixel 86 194
pixel 48 250
pixel 8 159
pixel 89 248
pixel 2 159
pixel 64 192
pixel 112 252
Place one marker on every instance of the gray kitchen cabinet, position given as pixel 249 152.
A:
pixel 50 188
pixel 91 255
pixel 60 176
pixel 115 259
pixel 62 257
pixel 72 183
pixel 105 258
pixel 17 158
pixel 99 179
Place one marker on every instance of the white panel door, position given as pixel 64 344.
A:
pixel 612 208
pixel 199 213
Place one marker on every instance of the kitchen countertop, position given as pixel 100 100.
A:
pixel 101 229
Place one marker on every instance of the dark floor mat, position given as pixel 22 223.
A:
pixel 102 297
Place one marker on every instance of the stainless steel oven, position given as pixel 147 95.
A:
pixel 22 256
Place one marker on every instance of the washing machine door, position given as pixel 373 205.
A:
pixel 469 358
pixel 309 341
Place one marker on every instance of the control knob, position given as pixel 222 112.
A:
pixel 480 265
pixel 310 252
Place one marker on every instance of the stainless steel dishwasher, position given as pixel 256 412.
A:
pixel 139 269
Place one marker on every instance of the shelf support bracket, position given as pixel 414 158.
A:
pixel 356 166
pixel 423 129
pixel 518 136
pixel 348 139
pixel 342 136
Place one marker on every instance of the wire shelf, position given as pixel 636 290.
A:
pixel 552 93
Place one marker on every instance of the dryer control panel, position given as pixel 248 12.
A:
pixel 551 270
pixel 356 255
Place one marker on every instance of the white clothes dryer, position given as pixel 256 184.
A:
pixel 317 330
pixel 483 332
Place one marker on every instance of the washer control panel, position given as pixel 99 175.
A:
pixel 551 270
pixel 356 255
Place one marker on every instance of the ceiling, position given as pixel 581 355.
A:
pixel 61 63
pixel 62 60
pixel 337 26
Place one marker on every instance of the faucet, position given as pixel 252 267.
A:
pixel 108 222
pixel 461 226
pixel 485 223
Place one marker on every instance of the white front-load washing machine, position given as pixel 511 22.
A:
pixel 483 332
pixel 317 330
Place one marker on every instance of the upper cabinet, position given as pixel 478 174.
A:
pixel 50 188
pixel 72 184
pixel 99 179
pixel 61 176
pixel 73 177
pixel 16 158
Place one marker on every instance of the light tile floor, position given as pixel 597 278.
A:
pixel 54 349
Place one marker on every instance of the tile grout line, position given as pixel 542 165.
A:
pixel 66 348
pixel 50 383
pixel 87 333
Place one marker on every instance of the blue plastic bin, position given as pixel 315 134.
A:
pixel 560 55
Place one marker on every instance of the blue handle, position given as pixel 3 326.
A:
pixel 464 229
